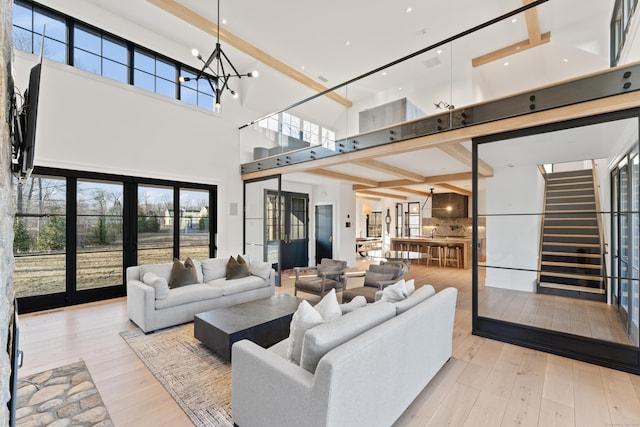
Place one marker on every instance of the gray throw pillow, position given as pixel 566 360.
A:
pixel 237 269
pixel 372 279
pixel 182 274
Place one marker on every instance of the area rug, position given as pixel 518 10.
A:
pixel 62 396
pixel 194 376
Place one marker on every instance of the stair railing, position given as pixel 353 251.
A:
pixel 603 245
pixel 543 172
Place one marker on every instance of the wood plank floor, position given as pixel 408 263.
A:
pixel 485 383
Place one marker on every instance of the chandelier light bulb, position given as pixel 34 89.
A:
pixel 195 52
pixel 254 73
pixel 234 94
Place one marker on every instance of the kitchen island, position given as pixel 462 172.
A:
pixel 420 244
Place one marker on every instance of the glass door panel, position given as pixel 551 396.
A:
pixel 635 244
pixel 155 224
pixel 625 242
pixel 40 236
pixel 194 224
pixel 263 221
pixel 99 259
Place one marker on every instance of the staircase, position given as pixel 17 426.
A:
pixel 571 258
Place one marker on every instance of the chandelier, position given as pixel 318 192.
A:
pixel 213 70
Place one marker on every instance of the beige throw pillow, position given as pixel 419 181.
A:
pixel 237 269
pixel 182 274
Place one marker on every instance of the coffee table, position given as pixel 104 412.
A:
pixel 265 321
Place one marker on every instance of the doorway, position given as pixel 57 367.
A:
pixel 293 211
pixel 324 232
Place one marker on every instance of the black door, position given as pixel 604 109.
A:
pixel 291 212
pixel 324 232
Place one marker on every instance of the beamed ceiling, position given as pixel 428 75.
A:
pixel 319 45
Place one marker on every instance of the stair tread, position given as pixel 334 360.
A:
pixel 573 288
pixel 571 264
pixel 572 276
pixel 570 254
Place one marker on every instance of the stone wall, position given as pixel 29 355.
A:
pixel 6 205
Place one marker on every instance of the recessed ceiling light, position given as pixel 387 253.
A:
pixel 399 88
pixel 565 59
pixel 514 20
pixel 224 21
pixel 347 43
pixel 302 67
pixel 439 51
pixel 409 10
pixel 506 64
pixel 384 73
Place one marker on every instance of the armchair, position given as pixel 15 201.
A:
pixel 330 275
pixel 376 278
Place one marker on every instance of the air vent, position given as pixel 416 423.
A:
pixel 323 79
pixel 434 61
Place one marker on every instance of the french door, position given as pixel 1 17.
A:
pixel 75 233
pixel 293 238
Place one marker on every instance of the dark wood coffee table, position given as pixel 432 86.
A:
pixel 265 321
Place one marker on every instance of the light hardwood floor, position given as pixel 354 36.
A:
pixel 485 383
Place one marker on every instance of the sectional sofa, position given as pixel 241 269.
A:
pixel 152 307
pixel 361 369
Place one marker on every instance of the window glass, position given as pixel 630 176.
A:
pixel 115 70
pixel 194 223
pixel 165 70
pixel 144 62
pixel 114 50
pixel 143 80
pixel 155 224
pixel 40 236
pixel 56 28
pixel 165 87
pixel 86 40
pixel 99 234
pixel 86 61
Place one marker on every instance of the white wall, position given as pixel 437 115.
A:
pixel 524 187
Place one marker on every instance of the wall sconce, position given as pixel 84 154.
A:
pixel 387 220
pixel 366 209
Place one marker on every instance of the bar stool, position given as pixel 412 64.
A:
pixel 435 252
pixel 453 254
pixel 416 247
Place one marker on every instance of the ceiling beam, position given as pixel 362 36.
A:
pixel 393 170
pixel 182 12
pixel 454 189
pixel 533 23
pixel 509 50
pixel 367 183
pixel 412 191
pixel 461 154
pixel 428 180
pixel 380 194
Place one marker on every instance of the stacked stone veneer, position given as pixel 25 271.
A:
pixel 6 205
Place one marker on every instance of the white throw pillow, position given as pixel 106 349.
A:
pixel 160 284
pixel 305 317
pixel 410 285
pixel 396 292
pixel 260 269
pixel 355 303
pixel 328 307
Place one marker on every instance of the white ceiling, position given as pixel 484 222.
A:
pixel 314 35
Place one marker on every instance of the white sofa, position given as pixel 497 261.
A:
pixel 368 379
pixel 151 310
